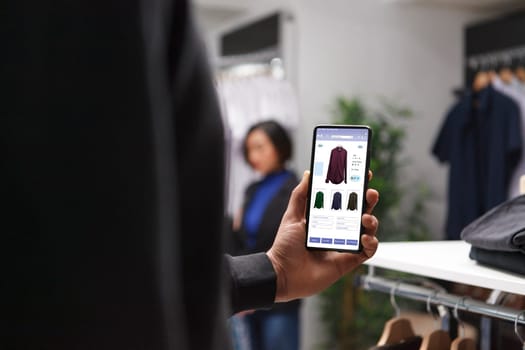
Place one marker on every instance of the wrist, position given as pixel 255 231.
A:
pixel 280 290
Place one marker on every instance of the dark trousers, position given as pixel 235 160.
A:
pixel 274 329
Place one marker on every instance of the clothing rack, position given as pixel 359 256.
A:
pixel 494 43
pixel 447 261
pixel 490 60
pixel 436 297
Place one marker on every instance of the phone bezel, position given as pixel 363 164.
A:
pixel 365 187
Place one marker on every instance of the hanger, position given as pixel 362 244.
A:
pixel 516 329
pixel 462 342
pixel 481 81
pixel 506 75
pixel 519 72
pixel 437 339
pixel 397 329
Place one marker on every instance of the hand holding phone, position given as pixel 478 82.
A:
pixel 338 182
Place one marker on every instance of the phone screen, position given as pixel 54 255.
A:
pixel 338 181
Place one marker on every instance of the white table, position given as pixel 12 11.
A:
pixel 445 260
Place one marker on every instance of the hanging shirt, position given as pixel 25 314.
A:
pixel 481 140
pixel 337 166
pixel 266 190
pixel 513 90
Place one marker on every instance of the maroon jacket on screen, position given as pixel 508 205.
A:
pixel 337 166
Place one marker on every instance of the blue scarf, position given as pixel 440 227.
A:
pixel 266 190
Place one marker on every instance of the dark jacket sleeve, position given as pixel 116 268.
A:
pixel 252 281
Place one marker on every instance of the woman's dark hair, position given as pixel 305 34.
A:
pixel 277 135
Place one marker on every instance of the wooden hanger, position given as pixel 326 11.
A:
pixel 506 75
pixel 398 328
pixel 520 73
pixel 481 81
pixel 436 340
pixel 395 331
pixel 461 342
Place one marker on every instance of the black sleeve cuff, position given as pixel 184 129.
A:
pixel 253 281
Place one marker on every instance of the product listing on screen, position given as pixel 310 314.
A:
pixel 339 178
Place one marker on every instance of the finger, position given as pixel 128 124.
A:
pixel 372 197
pixel 370 223
pixel 345 262
pixel 297 203
pixel 370 175
pixel 370 244
pixel 348 262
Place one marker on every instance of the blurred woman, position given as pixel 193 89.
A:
pixel 267 148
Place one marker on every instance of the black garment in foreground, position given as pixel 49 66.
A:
pixel 106 106
pixel 508 261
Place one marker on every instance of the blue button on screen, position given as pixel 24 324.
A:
pixel 315 240
pixel 355 178
pixel 339 241
pixel 351 242
pixel 327 241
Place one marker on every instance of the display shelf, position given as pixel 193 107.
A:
pixel 445 260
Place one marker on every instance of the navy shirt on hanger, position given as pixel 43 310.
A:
pixel 481 140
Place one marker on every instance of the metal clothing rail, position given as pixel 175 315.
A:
pixel 432 296
pixel 491 59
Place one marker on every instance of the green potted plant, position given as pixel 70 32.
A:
pixel 354 319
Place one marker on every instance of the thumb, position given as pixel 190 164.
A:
pixel 297 204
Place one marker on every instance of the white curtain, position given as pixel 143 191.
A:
pixel 244 102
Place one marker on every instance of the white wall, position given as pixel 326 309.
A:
pixel 372 49
pixel 410 53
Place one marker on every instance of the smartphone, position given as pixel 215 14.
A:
pixel 338 182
